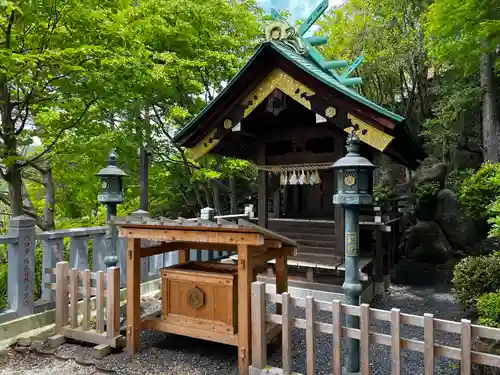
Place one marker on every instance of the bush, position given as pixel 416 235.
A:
pixel 427 190
pixel 479 191
pixel 475 276
pixel 488 309
pixel 383 194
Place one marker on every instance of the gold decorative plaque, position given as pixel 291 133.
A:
pixel 369 134
pixel 228 123
pixel 278 79
pixel 351 245
pixel 349 178
pixel 195 298
pixel 330 112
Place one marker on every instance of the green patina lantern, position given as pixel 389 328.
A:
pixel 111 182
pixel 354 176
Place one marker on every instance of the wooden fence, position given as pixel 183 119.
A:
pixel 68 294
pixel 428 346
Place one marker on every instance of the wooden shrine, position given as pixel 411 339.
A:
pixel 288 111
pixel 205 300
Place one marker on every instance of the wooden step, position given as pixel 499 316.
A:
pixel 315 243
pixel 308 236
pixel 302 229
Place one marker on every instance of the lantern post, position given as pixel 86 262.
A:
pixel 354 188
pixel 111 195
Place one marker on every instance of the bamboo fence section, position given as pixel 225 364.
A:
pixel 73 285
pixel 428 346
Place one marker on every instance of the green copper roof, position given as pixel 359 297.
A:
pixel 314 70
pixel 303 63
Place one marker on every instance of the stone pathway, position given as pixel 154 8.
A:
pixel 424 288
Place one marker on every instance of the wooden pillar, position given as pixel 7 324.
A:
pixel 281 278
pixel 133 295
pixel 378 256
pixel 245 276
pixel 184 255
pixel 339 230
pixel 262 189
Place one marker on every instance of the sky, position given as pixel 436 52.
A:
pixel 300 9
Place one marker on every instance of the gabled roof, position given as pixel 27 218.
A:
pixel 407 142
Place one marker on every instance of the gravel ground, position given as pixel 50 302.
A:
pixel 423 289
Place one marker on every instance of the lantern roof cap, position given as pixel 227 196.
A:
pixel 111 169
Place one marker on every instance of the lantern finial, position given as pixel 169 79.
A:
pixel 353 142
pixel 112 158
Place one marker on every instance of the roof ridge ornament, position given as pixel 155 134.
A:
pixel 280 30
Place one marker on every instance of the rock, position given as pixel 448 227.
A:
pixel 461 158
pixel 36 346
pixel 4 352
pixel 430 173
pixel 427 243
pixel 449 217
pixel 22 349
pixel 24 342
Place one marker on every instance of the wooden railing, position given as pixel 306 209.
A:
pixel 68 294
pixel 465 354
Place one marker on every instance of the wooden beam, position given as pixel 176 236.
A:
pixel 195 235
pixel 177 245
pixel 274 253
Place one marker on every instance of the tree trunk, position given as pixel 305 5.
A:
pixel 491 132
pixel 50 199
pixel 217 202
pixel 13 178
pixel 232 194
pixel 208 196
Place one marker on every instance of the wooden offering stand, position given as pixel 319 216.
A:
pixel 205 300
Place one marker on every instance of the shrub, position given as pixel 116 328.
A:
pixel 488 309
pixel 475 276
pixel 480 190
pixel 383 194
pixel 427 190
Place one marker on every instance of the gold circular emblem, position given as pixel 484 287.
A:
pixel 195 298
pixel 330 112
pixel 349 179
pixel 228 123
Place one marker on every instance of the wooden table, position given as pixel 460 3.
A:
pixel 255 246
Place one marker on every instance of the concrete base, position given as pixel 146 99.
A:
pixel 387 281
pixel 345 372
pixel 379 288
pixel 101 351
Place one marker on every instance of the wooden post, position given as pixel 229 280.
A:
pixel 259 342
pixel 113 308
pixel 74 297
pixel 86 299
pixel 133 295
pixel 262 189
pixel 395 342
pixel 286 331
pixel 378 261
pixel 364 328
pixel 337 337
pixel 428 344
pixel 310 336
pixel 61 295
pixel 245 274
pixel 281 278
pixel 99 285
pixel 465 348
pixel 184 255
